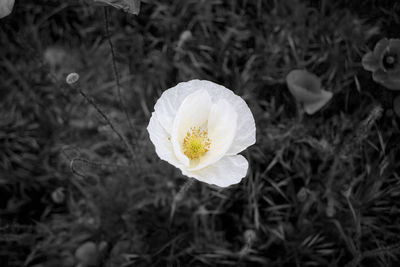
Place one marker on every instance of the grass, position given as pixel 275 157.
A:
pixel 321 190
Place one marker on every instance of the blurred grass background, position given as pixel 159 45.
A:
pixel 321 191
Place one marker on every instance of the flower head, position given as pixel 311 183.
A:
pixel 72 78
pixel 306 88
pixel 6 7
pixel 384 63
pixel 200 127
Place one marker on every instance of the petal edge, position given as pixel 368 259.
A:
pixel 227 171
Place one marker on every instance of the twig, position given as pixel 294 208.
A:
pixel 114 64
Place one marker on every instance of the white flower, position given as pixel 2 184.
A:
pixel 6 7
pixel 200 127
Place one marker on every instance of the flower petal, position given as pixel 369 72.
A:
pixel 171 99
pixel 306 88
pixel 311 108
pixel 169 102
pixel 246 129
pixel 301 93
pixel 305 80
pixel 227 171
pixel 193 112
pixel 380 48
pixel 389 80
pixel 379 75
pixel 161 140
pixel 370 62
pixel 222 123
pixel 6 6
pixel 394 76
pixel 394 46
pixel 394 49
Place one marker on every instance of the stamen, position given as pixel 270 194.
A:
pixel 196 143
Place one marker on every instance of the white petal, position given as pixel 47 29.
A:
pixel 222 123
pixel 170 101
pixel 193 112
pixel 245 130
pixel 160 138
pixel 227 171
pixel 370 62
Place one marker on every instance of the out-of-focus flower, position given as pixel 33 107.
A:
pixel 306 88
pixel 200 127
pixel 384 63
pixel 6 6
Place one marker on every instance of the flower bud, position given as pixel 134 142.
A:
pixel 72 78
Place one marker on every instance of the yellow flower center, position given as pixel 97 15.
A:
pixel 196 143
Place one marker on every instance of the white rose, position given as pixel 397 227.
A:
pixel 200 127
pixel 6 7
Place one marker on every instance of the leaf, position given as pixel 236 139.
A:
pixel 130 6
